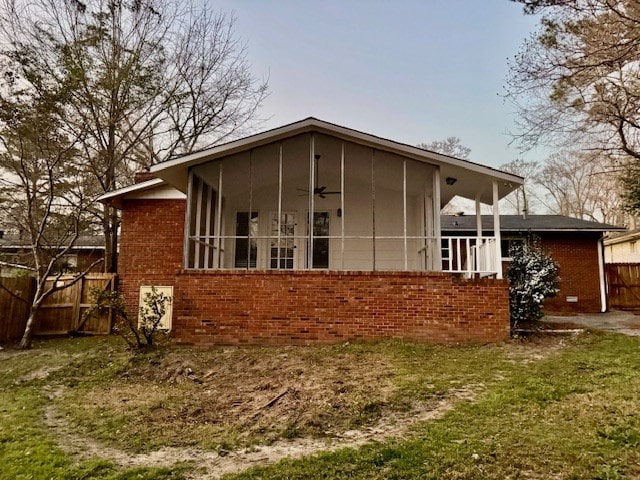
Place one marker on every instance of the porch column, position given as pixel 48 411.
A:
pixel 437 230
pixel 342 210
pixel 187 222
pixel 404 213
pixel 478 217
pixel 481 250
pixel 312 195
pixel 278 266
pixel 218 244
pixel 496 230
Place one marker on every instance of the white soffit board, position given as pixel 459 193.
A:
pixel 162 192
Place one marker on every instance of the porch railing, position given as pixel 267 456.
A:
pixel 467 255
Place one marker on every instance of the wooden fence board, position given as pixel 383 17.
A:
pixel 66 310
pixel 13 311
pixel 623 285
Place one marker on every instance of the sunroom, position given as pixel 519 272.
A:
pixel 316 196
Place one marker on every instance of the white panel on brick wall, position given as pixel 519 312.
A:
pixel 165 321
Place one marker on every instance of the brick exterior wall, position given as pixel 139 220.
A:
pixel 305 307
pixel 577 255
pixel 301 307
pixel 151 243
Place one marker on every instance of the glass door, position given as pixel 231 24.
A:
pixel 282 254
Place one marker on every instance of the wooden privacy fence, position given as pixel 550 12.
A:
pixel 16 294
pixel 623 281
pixel 66 310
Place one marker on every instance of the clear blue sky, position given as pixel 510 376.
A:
pixel 412 71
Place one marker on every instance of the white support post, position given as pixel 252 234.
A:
pixel 312 194
pixel 196 258
pixel 478 217
pixel 373 205
pixel 219 219
pixel 496 229
pixel 437 230
pixel 427 205
pixel 404 213
pixel 187 222
pixel 602 278
pixel 207 228
pixel 342 208
pixel 279 207
pixel 479 241
pixel 250 211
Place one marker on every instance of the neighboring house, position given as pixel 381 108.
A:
pixel 622 247
pixel 576 245
pixel 15 252
pixel 312 232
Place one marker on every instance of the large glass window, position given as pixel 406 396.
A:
pixel 320 240
pixel 246 251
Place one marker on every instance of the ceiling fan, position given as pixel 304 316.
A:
pixel 320 190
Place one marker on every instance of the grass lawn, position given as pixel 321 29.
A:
pixel 556 407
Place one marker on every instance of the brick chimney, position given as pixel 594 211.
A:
pixel 143 176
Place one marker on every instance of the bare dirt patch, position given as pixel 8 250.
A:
pixel 9 353
pixel 236 397
pixel 228 409
pixel 537 346
pixel 214 464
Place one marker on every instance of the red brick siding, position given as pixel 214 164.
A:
pixel 577 255
pixel 151 241
pixel 306 307
pixel 271 307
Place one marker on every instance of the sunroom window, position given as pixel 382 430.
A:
pixel 313 201
pixel 246 248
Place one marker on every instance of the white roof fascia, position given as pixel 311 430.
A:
pixel 310 124
pixel 622 238
pixel 154 182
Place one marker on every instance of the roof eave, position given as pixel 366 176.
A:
pixel 115 197
pixel 175 171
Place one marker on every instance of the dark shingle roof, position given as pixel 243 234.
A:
pixel 83 242
pixel 516 223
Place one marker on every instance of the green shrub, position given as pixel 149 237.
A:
pixel 533 277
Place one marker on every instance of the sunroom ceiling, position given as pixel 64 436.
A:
pixel 458 177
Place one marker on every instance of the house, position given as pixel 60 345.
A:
pixel 576 245
pixel 622 247
pixel 15 253
pixel 313 232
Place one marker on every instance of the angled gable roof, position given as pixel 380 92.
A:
pixel 467 173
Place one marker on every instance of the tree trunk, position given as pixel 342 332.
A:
pixel 110 230
pixel 25 343
pixel 113 223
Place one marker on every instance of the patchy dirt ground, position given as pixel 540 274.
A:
pixel 214 464
pixel 232 397
pixel 227 409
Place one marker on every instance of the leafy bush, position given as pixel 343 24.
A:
pixel 533 277
pixel 138 332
